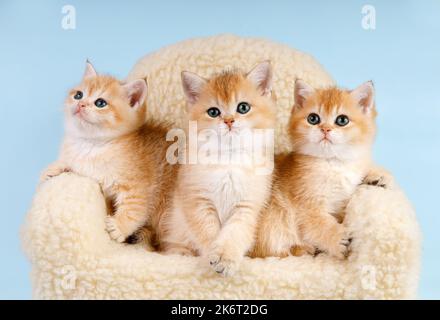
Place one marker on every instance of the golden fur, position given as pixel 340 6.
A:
pixel 114 146
pixel 313 183
pixel 215 206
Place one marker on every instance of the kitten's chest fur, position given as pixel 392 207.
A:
pixel 227 189
pixel 332 181
pixel 228 186
pixel 93 160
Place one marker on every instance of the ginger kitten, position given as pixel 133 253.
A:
pixel 216 205
pixel 107 139
pixel 332 133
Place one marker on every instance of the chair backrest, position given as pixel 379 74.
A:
pixel 206 56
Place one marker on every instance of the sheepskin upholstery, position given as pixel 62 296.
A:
pixel 73 257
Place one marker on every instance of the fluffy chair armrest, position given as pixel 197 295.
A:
pixel 386 244
pixel 65 224
pixel 66 207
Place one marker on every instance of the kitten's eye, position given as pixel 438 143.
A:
pixel 213 112
pixel 313 119
pixel 78 95
pixel 243 107
pixel 100 103
pixel 342 120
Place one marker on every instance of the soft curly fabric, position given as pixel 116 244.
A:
pixel 73 257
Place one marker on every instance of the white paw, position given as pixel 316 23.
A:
pixel 379 178
pixel 222 265
pixel 113 229
pixel 341 249
pixel 52 171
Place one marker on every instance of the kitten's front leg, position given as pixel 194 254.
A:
pixel 203 223
pixel 379 177
pixel 321 229
pixel 190 227
pixel 53 170
pixel 235 239
pixel 131 213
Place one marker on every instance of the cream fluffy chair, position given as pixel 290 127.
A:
pixel 73 257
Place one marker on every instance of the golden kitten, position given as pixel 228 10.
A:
pixel 107 139
pixel 216 204
pixel 332 133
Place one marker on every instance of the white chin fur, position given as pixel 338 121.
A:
pixel 76 128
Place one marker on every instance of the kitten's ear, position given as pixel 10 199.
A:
pixel 364 96
pixel 302 91
pixel 192 86
pixel 89 71
pixel 261 76
pixel 137 92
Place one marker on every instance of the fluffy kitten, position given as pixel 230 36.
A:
pixel 107 139
pixel 216 205
pixel 332 133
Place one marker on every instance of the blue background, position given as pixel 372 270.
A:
pixel 39 61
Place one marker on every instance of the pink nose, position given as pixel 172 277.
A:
pixel 81 105
pixel 326 130
pixel 229 122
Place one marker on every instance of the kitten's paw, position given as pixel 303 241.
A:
pixel 113 228
pixel 379 178
pixel 53 171
pixel 303 249
pixel 341 251
pixel 224 262
pixel 341 246
pixel 142 236
pixel 222 265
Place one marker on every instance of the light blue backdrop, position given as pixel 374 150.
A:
pixel 39 61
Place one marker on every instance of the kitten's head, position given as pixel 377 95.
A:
pixel 333 123
pixel 102 107
pixel 231 101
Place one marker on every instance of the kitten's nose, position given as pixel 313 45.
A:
pixel 229 121
pixel 326 129
pixel 81 105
